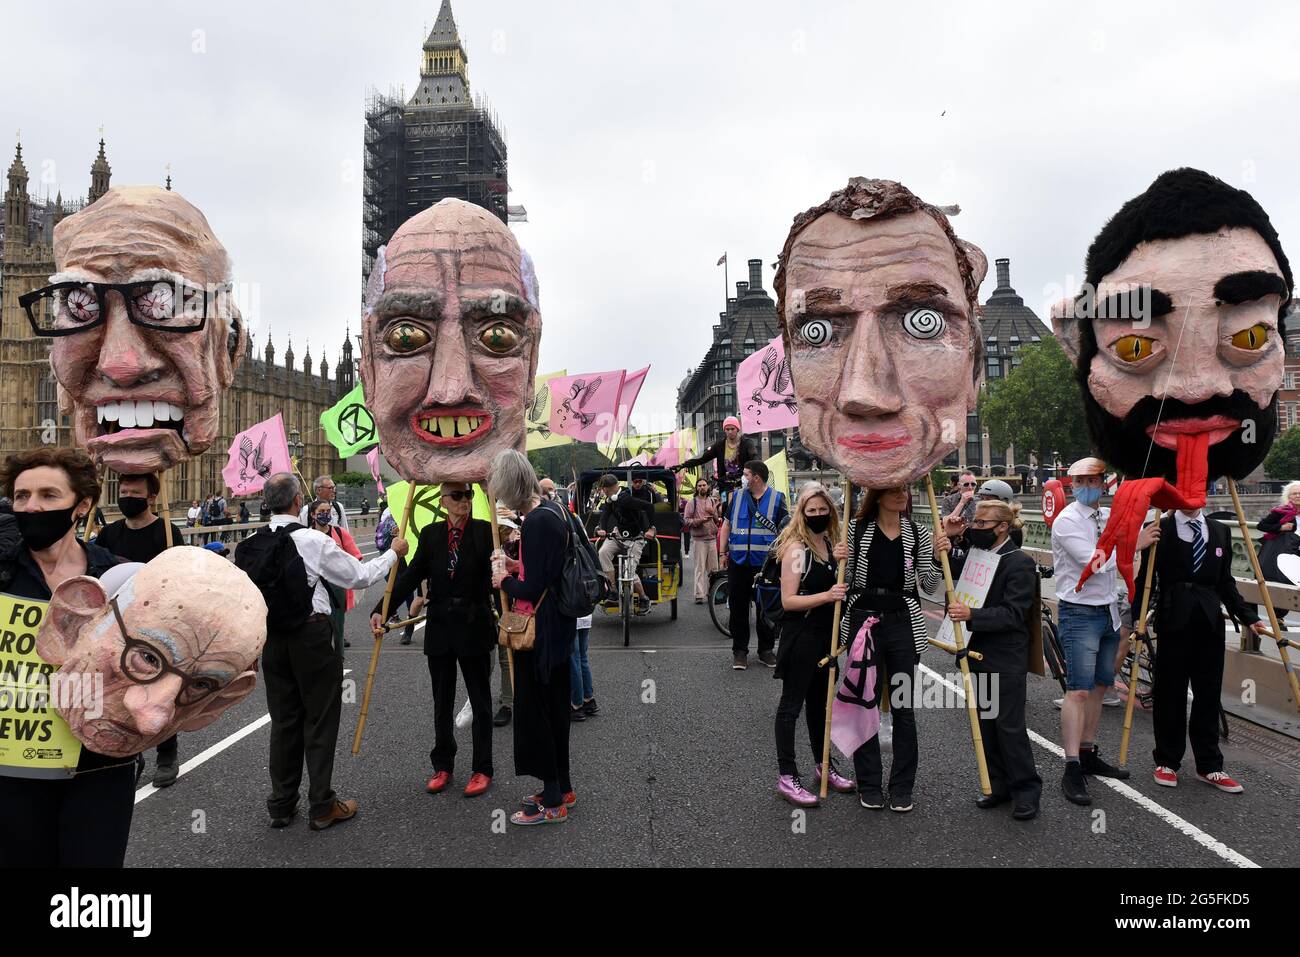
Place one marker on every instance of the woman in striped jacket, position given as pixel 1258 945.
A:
pixel 891 559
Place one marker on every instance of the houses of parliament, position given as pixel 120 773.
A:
pixel 29 409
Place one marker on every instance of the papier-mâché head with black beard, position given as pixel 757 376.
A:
pixel 1183 296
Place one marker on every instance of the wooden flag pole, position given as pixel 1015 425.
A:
pixel 835 642
pixel 165 500
pixel 90 516
pixel 969 686
pixel 505 600
pixel 1139 636
pixel 1282 643
pixel 383 617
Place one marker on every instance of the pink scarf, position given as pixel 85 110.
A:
pixel 1288 513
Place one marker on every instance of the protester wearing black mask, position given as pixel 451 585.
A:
pixel 142 536
pixel 83 820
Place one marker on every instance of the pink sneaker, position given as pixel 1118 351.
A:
pixel 1166 777
pixel 1221 781
pixel 791 788
pixel 838 782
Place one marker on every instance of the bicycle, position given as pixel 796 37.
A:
pixel 718 596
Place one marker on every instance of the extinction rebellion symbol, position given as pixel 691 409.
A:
pixel 356 424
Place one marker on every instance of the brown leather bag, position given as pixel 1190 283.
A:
pixel 518 631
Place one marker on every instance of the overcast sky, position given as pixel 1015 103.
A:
pixel 647 139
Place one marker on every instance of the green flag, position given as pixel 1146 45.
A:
pixel 349 425
pixel 428 507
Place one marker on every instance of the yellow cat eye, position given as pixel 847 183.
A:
pixel 1252 338
pixel 499 338
pixel 406 337
pixel 1133 348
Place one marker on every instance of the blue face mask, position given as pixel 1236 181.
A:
pixel 1087 495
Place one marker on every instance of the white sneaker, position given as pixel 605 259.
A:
pixel 1058 702
pixel 1111 699
pixel 465 716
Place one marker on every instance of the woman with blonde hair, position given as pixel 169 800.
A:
pixel 999 631
pixel 807 550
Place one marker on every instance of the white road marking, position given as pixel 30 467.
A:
pixel 1207 841
pixel 213 751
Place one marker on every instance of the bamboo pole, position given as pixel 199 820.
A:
pixel 1138 637
pixel 165 501
pixel 383 616
pixel 953 649
pixel 835 642
pixel 505 600
pixel 1282 644
pixel 969 686
pixel 90 516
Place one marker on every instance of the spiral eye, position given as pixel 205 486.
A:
pixel 816 332
pixel 499 338
pixel 1252 338
pixel 81 305
pixel 1133 348
pixel 924 323
pixel 406 337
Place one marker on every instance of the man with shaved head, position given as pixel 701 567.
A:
pixel 449 350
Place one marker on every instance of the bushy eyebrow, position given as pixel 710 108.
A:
pixel 496 303
pixel 1127 304
pixel 1239 287
pixel 425 304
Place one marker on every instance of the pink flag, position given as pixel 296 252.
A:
pixel 855 712
pixel 373 458
pixel 765 391
pixel 627 398
pixel 585 407
pixel 256 454
pixel 670 453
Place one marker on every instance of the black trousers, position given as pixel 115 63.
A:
pixel 1006 741
pixel 740 598
pixel 304 680
pixel 167 749
pixel 803 688
pixel 82 821
pixel 542 725
pixel 896 652
pixel 442 675
pixel 1192 655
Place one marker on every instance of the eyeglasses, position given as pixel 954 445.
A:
pixel 986 523
pixel 967 484
pixel 459 496
pixel 144 664
pixel 67 308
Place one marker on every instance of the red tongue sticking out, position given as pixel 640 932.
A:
pixel 1135 496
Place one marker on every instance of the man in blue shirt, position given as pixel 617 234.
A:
pixel 757 513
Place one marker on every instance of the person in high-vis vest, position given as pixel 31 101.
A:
pixel 756 515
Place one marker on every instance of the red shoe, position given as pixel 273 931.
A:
pixel 1221 781
pixel 438 783
pixel 478 783
pixel 1166 777
pixel 534 801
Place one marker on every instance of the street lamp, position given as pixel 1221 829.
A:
pixel 296 448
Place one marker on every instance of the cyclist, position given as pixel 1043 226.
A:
pixel 729 454
pixel 624 525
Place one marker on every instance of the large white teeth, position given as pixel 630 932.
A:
pixel 126 414
pixel 99 414
pixel 144 414
pixel 110 411
pixel 161 411
pixel 177 413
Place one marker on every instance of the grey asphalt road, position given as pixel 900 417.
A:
pixel 679 769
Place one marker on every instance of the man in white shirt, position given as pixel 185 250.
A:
pixel 304 672
pixel 1088 624
pixel 323 488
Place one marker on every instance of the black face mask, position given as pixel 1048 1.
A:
pixel 40 530
pixel 981 537
pixel 817 524
pixel 132 506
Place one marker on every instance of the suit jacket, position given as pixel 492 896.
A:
pixel 460 609
pixel 1181 596
pixel 1000 628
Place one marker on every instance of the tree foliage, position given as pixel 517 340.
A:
pixel 1037 407
pixel 353 479
pixel 1283 461
pixel 559 463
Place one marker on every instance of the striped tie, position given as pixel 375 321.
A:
pixel 1198 547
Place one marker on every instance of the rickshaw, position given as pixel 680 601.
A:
pixel 660 570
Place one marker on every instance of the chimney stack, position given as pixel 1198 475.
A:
pixel 756 274
pixel 741 288
pixel 1004 273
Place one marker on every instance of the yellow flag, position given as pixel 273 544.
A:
pixel 538 415
pixel 779 473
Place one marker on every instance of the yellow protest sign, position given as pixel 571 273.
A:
pixel 428 507
pixel 35 742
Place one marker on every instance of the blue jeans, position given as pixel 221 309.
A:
pixel 580 670
pixel 1089 641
